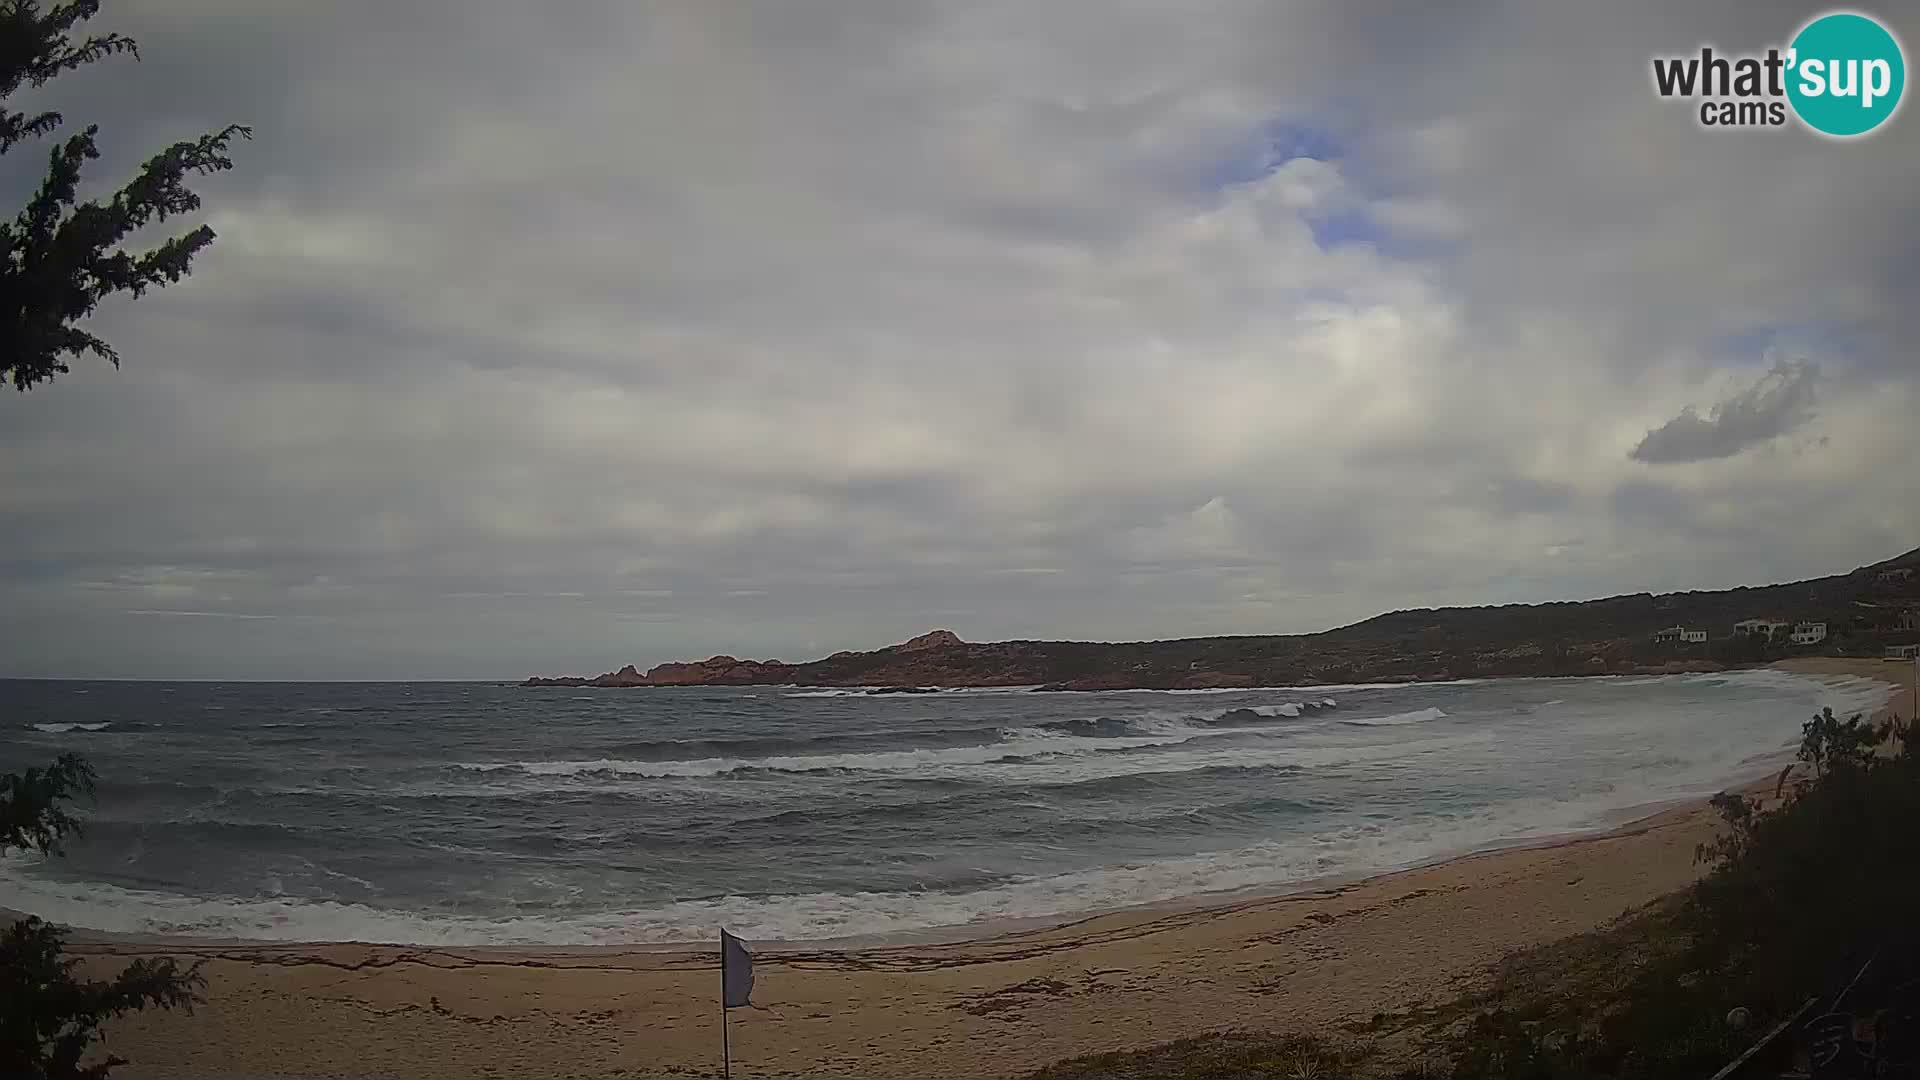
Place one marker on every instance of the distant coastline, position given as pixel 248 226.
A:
pixel 1861 614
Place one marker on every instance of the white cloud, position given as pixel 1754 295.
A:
pixel 616 312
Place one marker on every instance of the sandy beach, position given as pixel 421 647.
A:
pixel 989 1007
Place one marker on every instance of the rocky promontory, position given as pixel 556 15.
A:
pixel 1863 612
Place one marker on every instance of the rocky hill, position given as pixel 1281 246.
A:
pixel 1865 611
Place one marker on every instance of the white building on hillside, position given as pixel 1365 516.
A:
pixel 1693 637
pixel 1766 628
pixel 1808 633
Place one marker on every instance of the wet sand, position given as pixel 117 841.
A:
pixel 990 1007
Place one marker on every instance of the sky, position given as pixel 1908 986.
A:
pixel 550 338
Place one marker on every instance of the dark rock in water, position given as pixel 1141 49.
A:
pixel 904 690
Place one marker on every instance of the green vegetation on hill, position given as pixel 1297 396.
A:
pixel 1864 612
pixel 1803 899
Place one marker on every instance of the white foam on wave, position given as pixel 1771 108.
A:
pixel 1195 757
pixel 1015 742
pixel 1291 709
pixel 867 691
pixel 1352 849
pixel 1029 757
pixel 1072 757
pixel 1846 693
pixel 1198 690
pixel 62 729
pixel 1311 688
pixel 1699 747
pixel 919 691
pixel 1417 716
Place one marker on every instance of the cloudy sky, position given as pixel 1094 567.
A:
pixel 548 338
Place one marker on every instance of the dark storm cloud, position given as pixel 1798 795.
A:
pixel 567 336
pixel 1781 401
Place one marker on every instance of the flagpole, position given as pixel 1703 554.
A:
pixel 726 1051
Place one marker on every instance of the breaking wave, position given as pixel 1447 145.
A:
pixel 476 815
pixel 938 752
pixel 1349 850
pixel 1417 716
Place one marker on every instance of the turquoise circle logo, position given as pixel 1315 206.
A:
pixel 1847 74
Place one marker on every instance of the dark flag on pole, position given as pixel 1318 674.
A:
pixel 736 971
pixel 736 984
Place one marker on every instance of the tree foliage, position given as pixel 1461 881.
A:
pixel 33 816
pixel 50 1014
pixel 60 257
pixel 1801 895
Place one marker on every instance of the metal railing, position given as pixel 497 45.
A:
pixel 1870 1028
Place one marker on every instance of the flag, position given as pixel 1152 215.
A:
pixel 736 972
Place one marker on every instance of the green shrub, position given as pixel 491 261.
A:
pixel 1798 896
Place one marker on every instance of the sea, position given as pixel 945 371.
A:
pixel 489 814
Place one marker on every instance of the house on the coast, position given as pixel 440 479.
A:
pixel 1760 628
pixel 1902 652
pixel 1808 633
pixel 1693 637
pixel 1680 634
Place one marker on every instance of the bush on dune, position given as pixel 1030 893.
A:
pixel 1799 897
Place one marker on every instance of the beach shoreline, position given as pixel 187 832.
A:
pixel 994 1002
